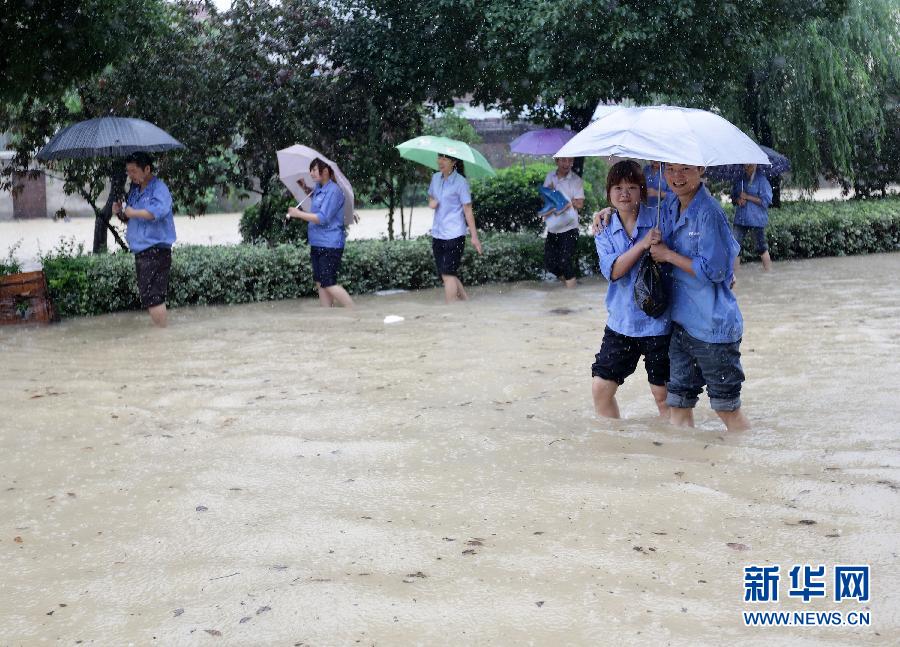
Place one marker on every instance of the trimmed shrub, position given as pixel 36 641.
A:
pixel 510 201
pixel 82 284
pixel 807 229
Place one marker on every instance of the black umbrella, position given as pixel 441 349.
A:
pixel 108 137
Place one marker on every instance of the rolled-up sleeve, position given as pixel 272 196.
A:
pixel 158 202
pixel 607 253
pixel 715 254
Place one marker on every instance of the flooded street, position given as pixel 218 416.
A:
pixel 277 473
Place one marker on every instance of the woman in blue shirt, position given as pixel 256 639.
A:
pixel 630 332
pixel 752 195
pixel 326 234
pixel 449 196
pixel 707 323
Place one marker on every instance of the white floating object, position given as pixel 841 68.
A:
pixel 387 293
pixel 393 319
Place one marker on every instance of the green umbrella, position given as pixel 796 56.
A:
pixel 425 149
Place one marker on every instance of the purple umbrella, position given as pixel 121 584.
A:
pixel 541 142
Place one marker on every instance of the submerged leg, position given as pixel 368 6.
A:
pixel 604 392
pixel 339 294
pixel 325 299
pixel 159 315
pixel 734 420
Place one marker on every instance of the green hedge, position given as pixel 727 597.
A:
pixel 510 201
pixel 86 284
pixel 839 228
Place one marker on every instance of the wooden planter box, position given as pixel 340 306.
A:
pixel 24 299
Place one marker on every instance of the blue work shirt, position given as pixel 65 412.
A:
pixel 328 205
pixel 143 234
pixel 451 194
pixel 655 181
pixel 703 304
pixel 625 317
pixel 752 214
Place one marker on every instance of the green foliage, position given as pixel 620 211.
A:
pixel 510 201
pixel 264 221
pixel 824 93
pixel 452 124
pixel 46 45
pixel 839 228
pixel 10 264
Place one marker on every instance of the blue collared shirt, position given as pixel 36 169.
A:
pixel 451 194
pixel 328 205
pixel 752 214
pixel 703 304
pixel 655 181
pixel 143 234
pixel 625 317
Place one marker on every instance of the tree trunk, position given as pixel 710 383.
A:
pixel 392 203
pixel 401 188
pixel 104 215
pixel 579 119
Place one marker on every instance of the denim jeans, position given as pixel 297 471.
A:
pixel 694 364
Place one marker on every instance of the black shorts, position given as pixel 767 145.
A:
pixel 326 262
pixel 619 355
pixel 153 266
pixel 559 253
pixel 448 254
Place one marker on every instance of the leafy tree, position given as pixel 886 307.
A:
pixel 826 95
pixel 46 45
pixel 451 123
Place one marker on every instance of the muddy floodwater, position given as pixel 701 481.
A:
pixel 280 474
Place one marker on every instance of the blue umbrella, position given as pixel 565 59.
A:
pixel 778 164
pixel 107 137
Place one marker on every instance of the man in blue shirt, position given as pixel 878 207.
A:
pixel 150 233
pixel 707 323
pixel 752 194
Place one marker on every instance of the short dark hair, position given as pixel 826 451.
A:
pixel 320 165
pixel 626 171
pixel 142 159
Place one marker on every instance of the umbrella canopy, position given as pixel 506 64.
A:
pixel 426 148
pixel 107 137
pixel 666 134
pixel 777 165
pixel 541 142
pixel 293 165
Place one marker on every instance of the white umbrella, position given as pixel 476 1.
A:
pixel 665 134
pixel 293 165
